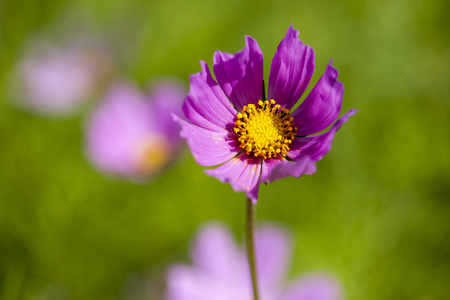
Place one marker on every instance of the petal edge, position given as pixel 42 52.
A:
pixel 291 70
pixel 241 75
pixel 322 106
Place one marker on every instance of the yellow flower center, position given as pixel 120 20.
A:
pixel 265 129
pixel 152 155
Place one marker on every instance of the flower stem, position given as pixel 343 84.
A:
pixel 251 246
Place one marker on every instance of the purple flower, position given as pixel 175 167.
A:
pixel 133 135
pixel 58 80
pixel 253 140
pixel 221 271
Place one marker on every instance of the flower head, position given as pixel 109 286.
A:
pixel 220 270
pixel 57 80
pixel 229 122
pixel 133 135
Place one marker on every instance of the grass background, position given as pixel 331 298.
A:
pixel 376 214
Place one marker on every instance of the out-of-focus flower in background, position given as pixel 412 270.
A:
pixel 220 270
pixel 133 135
pixel 252 139
pixel 58 79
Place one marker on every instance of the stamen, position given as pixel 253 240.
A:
pixel 266 130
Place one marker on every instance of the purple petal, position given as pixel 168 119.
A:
pixel 216 253
pixel 220 269
pixel 206 105
pixel 299 144
pixel 322 106
pixel 268 165
pixel 273 249
pixel 185 283
pixel 305 152
pixel 166 99
pixel 242 172
pixel 209 148
pixel 319 145
pixel 314 287
pixel 303 165
pixel 241 75
pixel 291 70
pixel 188 283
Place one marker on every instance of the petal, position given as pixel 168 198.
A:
pixel 242 172
pixel 185 283
pixel 305 152
pixel 209 148
pixel 216 253
pixel 322 106
pixel 317 146
pixel 268 165
pixel 166 99
pixel 57 80
pixel 273 251
pixel 241 75
pixel 206 105
pixel 314 287
pixel 115 129
pixel 291 70
pixel 299 144
pixel 220 269
pixel 304 165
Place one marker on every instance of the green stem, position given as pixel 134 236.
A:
pixel 251 246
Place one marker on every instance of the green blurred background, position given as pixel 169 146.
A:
pixel 376 214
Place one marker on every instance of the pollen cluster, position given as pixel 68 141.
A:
pixel 265 129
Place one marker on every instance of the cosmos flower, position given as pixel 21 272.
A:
pixel 229 122
pixel 57 80
pixel 220 270
pixel 133 135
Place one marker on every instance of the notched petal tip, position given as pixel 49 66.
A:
pixel 251 43
pixel 320 144
pixel 291 32
pixel 205 73
pixel 206 105
pixel 291 69
pixel 322 106
pixel 352 112
pixel 240 75
pixel 204 65
pixel 331 72
pixel 336 126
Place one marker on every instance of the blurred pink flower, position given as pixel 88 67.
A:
pixel 133 135
pixel 220 270
pixel 58 80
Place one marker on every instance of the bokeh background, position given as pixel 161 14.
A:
pixel 376 214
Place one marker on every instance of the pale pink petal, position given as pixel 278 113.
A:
pixel 206 105
pixel 242 172
pixel 314 287
pixel 208 147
